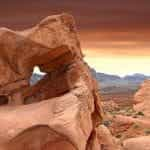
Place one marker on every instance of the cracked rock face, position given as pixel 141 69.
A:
pixel 61 111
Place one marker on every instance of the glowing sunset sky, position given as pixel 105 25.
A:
pixel 115 34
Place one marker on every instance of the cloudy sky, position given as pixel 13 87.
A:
pixel 115 34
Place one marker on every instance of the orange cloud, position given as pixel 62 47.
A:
pixel 111 31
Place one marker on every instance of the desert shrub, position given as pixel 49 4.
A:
pixel 147 131
pixel 118 136
pixel 107 123
pixel 140 113
pixel 135 126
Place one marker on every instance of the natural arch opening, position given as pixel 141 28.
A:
pixel 37 75
pixel 44 86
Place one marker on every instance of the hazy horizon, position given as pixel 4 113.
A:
pixel 37 71
pixel 114 35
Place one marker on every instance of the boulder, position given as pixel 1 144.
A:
pixel 139 143
pixel 106 140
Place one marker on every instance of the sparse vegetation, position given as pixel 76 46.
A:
pixel 107 123
pixel 118 136
pixel 136 126
pixel 140 113
pixel 147 131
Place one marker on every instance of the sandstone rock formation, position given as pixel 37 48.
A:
pixel 107 141
pixel 142 99
pixel 140 143
pixel 109 106
pixel 63 110
pixel 125 127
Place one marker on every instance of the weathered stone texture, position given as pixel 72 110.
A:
pixel 61 111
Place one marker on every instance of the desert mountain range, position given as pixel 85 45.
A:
pixel 116 84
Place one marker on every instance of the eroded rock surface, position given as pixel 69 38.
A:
pixel 140 143
pixel 142 99
pixel 63 110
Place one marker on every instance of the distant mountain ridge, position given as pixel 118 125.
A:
pixel 114 83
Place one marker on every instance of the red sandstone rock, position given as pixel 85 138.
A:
pixel 142 99
pixel 140 143
pixel 106 140
pixel 67 111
